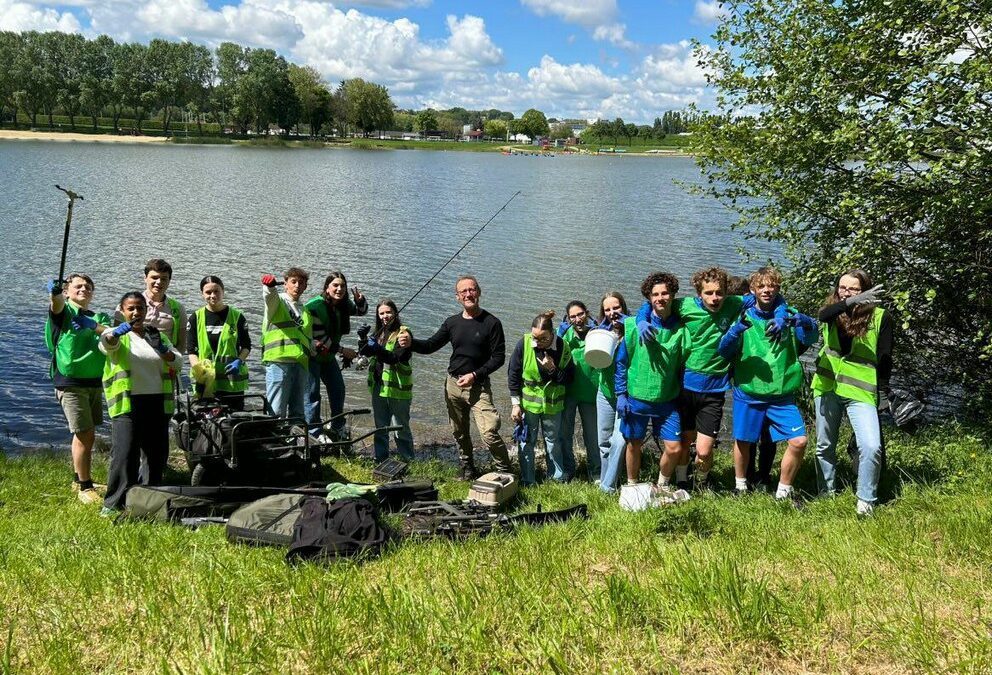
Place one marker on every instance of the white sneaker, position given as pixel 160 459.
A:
pixel 865 508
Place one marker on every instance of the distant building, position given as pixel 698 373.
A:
pixel 520 138
pixel 472 136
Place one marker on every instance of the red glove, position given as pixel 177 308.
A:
pixel 268 280
pixel 322 348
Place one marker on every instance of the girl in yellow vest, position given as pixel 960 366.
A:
pixel 218 334
pixel 540 368
pixel 852 375
pixel 138 385
pixel 390 381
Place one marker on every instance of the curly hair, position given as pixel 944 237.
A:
pixel 709 275
pixel 656 278
pixel 856 323
pixel 767 273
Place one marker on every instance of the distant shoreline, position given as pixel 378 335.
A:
pixel 358 144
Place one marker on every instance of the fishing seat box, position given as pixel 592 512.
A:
pixel 493 489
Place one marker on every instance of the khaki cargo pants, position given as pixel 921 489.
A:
pixel 477 401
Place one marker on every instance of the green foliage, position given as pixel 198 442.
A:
pixel 495 128
pixel 365 105
pixel 313 95
pixel 865 143
pixel 425 120
pixel 533 123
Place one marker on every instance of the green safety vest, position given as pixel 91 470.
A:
pixel 705 329
pixel 607 382
pixel 397 378
pixel 117 380
pixel 583 386
pixel 654 371
pixel 542 398
pixel 174 310
pixel 77 353
pixel 227 351
pixel 852 376
pixel 284 340
pixel 764 368
pixel 328 324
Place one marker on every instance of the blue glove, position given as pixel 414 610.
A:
pixel 623 406
pixel 520 432
pixel 122 329
pixel 749 301
pixel 54 287
pixel 373 346
pixel 646 332
pixel 81 321
pixel 775 328
pixel 154 338
pixel 233 367
pixel 803 321
pixel 738 329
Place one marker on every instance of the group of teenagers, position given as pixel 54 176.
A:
pixel 674 363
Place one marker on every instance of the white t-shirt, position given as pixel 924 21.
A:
pixel 146 364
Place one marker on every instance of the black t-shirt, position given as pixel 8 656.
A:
pixel 214 324
pixel 477 344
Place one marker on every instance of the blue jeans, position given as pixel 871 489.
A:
pixel 612 447
pixel 387 412
pixel 286 387
pixel 550 427
pixel 590 438
pixel 864 419
pixel 328 373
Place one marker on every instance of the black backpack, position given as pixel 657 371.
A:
pixel 341 529
pixel 395 495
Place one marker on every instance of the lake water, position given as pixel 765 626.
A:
pixel 581 226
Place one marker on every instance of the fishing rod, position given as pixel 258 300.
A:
pixel 441 269
pixel 362 333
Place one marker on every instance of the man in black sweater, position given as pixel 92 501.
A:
pixel 478 349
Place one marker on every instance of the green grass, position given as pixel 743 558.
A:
pixel 716 584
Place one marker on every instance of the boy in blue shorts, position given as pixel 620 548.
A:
pixel 767 374
pixel 648 379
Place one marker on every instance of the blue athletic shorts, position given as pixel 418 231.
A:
pixel 667 425
pixel 784 420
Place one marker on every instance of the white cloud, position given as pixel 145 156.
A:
pixel 588 13
pixel 387 4
pixel 614 33
pixel 672 65
pixel 708 11
pixel 23 16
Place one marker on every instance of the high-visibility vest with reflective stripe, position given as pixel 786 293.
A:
pixel 654 370
pixel 174 310
pixel 227 350
pixel 397 378
pixel 284 340
pixel 765 368
pixel 117 380
pixel 852 376
pixel 542 398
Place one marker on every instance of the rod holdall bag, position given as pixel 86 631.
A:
pixel 172 503
pixel 268 521
pixel 344 528
pixel 395 495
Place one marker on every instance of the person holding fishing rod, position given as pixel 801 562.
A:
pixel 390 380
pixel 478 349
pixel 218 344
pixel 331 312
pixel 72 334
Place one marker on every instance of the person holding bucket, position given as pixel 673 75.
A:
pixel 217 346
pixel 852 376
pixel 540 369
pixel 580 395
pixel 612 313
pixel 649 378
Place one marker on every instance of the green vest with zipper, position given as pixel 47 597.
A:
pixel 654 370
pixel 542 398
pixel 852 376
pixel 227 351
pixel 765 368
pixel 77 353
pixel 117 380
pixel 284 340
pixel 397 378
pixel 584 384
pixel 174 310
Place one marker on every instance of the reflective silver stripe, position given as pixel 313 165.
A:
pixel 119 375
pixel 124 395
pixel 280 343
pixel 533 383
pixel 844 379
pixel 283 324
pixel 532 399
pixel 852 357
pixel 400 387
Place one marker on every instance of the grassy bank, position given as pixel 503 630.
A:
pixel 717 584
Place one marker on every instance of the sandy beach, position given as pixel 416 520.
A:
pixel 27 135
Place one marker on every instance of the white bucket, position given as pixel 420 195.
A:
pixel 600 345
pixel 635 497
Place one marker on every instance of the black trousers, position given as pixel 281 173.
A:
pixel 143 431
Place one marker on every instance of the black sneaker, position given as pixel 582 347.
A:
pixel 467 472
pixel 793 500
pixel 739 492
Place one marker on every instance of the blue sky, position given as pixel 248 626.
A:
pixel 568 58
